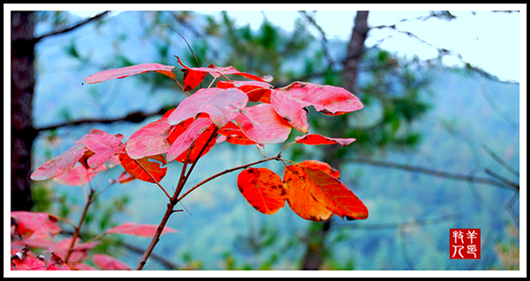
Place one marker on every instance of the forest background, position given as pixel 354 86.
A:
pixel 438 147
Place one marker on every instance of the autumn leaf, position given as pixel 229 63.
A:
pixel 199 143
pixel 104 146
pixel 256 91
pixel 261 123
pixel 188 137
pixel 300 200
pixel 151 139
pixel 314 139
pixel 234 135
pixel 291 100
pixel 30 222
pixel 61 163
pixel 222 105
pixel 128 71
pixel 315 194
pixel 107 262
pixel 154 164
pixel 263 189
pixel 79 175
pixel 319 165
pixel 144 230
pixel 217 72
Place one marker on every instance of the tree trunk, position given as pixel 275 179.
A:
pixel 315 249
pixel 22 89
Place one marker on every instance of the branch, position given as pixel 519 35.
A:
pixel 436 173
pixel 134 117
pixel 156 257
pixel 500 161
pixel 70 28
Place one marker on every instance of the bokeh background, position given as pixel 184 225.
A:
pixel 438 142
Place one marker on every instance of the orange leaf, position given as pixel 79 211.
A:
pixel 314 194
pixel 155 165
pixel 263 189
pixel 299 197
pixel 332 193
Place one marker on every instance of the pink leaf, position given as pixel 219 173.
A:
pixel 79 175
pixel 261 123
pixel 60 164
pixel 188 137
pixel 314 139
pixel 104 146
pixel 149 140
pixel 223 105
pixel 107 262
pixel 256 91
pixel 30 222
pixel 291 109
pixel 289 102
pixel 144 230
pixel 128 71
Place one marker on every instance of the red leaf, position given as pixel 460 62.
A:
pixel 314 139
pixel 149 140
pixel 103 145
pixel 223 105
pixel 155 165
pixel 28 223
pixel 79 175
pixel 182 127
pixel 234 135
pixel 300 199
pixel 144 230
pixel 128 71
pixel 256 91
pixel 263 189
pixel 56 263
pixel 107 262
pixel 188 137
pixel 217 72
pixel 262 124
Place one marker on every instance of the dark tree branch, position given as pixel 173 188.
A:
pixel 324 38
pixel 500 161
pixel 133 117
pixel 71 28
pixel 470 178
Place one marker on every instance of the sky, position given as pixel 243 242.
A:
pixel 492 41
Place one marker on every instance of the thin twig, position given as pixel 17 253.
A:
pixel 196 60
pixel 436 173
pixel 78 228
pixel 228 171
pixel 152 177
pixel 500 161
pixel 70 28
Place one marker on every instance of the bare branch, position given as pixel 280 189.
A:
pixel 470 178
pixel 500 161
pixel 134 117
pixel 70 28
